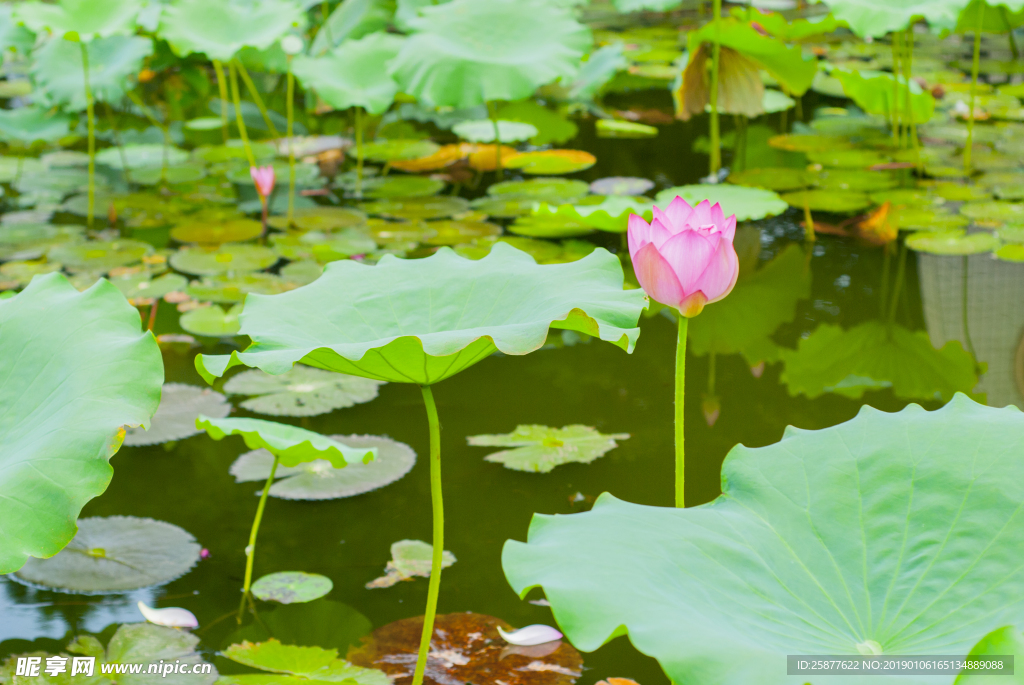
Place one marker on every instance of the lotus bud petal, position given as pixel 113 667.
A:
pixel 263 178
pixel 171 617
pixel 536 634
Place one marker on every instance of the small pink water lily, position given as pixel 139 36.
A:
pixel 263 178
pixel 171 617
pixel 685 258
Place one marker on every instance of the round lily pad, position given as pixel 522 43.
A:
pixel 617 128
pixel 399 149
pixel 960 192
pixel 229 257
pixel 400 232
pixel 418 207
pixel 855 179
pixel 926 218
pixel 291 587
pixel 144 155
pixel 402 186
pixel 746 203
pixel 544 251
pixel 16 274
pixel 445 156
pixel 175 419
pixel 236 231
pixel 604 213
pixel 318 480
pixel 993 211
pixel 504 206
pixel 1012 234
pixel 323 247
pixel 1013 252
pixel 100 255
pixel 212 321
pixel 306 176
pixel 455 231
pixel 904 196
pixel 1009 192
pixel 548 189
pixel 548 225
pixel 234 288
pixel 142 285
pixel 115 554
pixel 301 391
pixel 174 175
pixel 838 201
pixel 802 142
pixel 319 219
pixel 953 242
pixel 203 124
pixel 850 159
pixel 234 150
pixel 621 185
pixel 772 178
pixel 482 131
pixel 545 162
pixel 302 272
pixel 1001 178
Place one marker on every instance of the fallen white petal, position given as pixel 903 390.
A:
pixel 536 634
pixel 171 617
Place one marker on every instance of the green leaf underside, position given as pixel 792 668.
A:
pixel 420 321
pixel 290 587
pixel 175 419
pixel 900 528
pixel 539 449
pixel 307 663
pixel 74 368
pixel 291 444
pixel 301 391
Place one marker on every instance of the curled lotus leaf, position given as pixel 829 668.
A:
pixel 389 326
pixel 290 587
pixel 353 74
pixel 539 449
pixel 59 74
pixel 409 559
pixel 175 419
pixel 229 257
pixel 301 391
pixel 291 444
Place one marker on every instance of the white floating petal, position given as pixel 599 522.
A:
pixel 171 617
pixel 536 634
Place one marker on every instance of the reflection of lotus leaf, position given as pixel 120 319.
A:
pixel 320 219
pixel 402 186
pixel 838 201
pixel 115 554
pixel 100 256
pixel 301 391
pixel 772 178
pixel 58 73
pixel 621 185
pixel 212 322
pixel 399 149
pixel 504 302
pixel 900 577
pixel 545 162
pixel 453 232
pixel 229 257
pixel 745 203
pixel 354 74
pixel 482 131
pixel 417 207
pixel 234 288
pixel 539 449
pixel 290 587
pixel 175 419
pixel 953 242
pixel 221 29
pixel 235 231
pixel 293 664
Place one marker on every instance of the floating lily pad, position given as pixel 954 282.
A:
pixel 234 288
pixel 212 321
pixel 291 587
pixel 910 197
pixel 444 157
pixel 236 231
pixel 302 272
pixel 851 159
pixel 65 158
pixel 960 192
pixel 306 176
pixel 504 207
pixel 234 151
pixel 402 186
pixel 400 232
pixel 175 175
pixel 142 285
pixel 1011 253
pixel 229 257
pixel 145 155
pixel 399 149
pixel 838 201
pixel 539 449
pixel 116 554
pixel 1001 178
pixel 855 179
pixel 548 189
pixel 993 211
pixel 1012 234
pixel 746 203
pixel 319 480
pixel 320 219
pixel 547 225
pixel 604 213
pixel 1007 192
pixel 453 232
pixel 301 391
pixel 417 207
pixel 953 242
pixel 294 665
pixel 544 251
pixel 175 419
pixel 482 131
pixel 551 162
pixel 620 185
pixel 772 178
pixel 323 247
pixel 409 559
pixel 100 256
pixel 803 142
pixel 926 218
pixel 616 128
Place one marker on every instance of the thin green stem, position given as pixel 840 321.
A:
pixel 250 551
pixel 680 396
pixel 222 87
pixel 255 94
pixel 438 551
pixel 164 129
pixel 963 311
pixel 238 114
pixel 492 109
pixel 290 110
pixel 359 152
pixel 895 113
pixel 808 221
pixel 901 267
pixel 975 64
pixel 90 116
pixel 716 152
pixel 908 70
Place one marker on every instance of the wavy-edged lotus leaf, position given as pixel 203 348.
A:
pixel 291 587
pixel 229 257
pixel 772 178
pixel 618 128
pixel 860 180
pixel 993 211
pixel 100 256
pixel 353 74
pixel 233 289
pixel 746 203
pixel 505 301
pixel 318 480
pixel 482 131
pixel 399 149
pixel 320 219
pixel 953 242
pixel 603 213
pixel 88 19
pixel 409 559
pixel 221 29
pixel 550 162
pixel 448 62
pixel 212 322
pixel 808 142
pixel 504 206
pixel 141 155
pixel 455 231
pixel 56 443
pixel 926 218
pixel 549 189
pixel 142 285
pixel 147 643
pixel 58 73
pixel 412 208
pixel 621 185
pixel 851 159
pixel 548 225
pixel 875 18
pixel 175 419
pixel 296 665
pixel 402 186
pixel 300 391
pixel 323 247
pixel 116 554
pixel 29 124
pixel 539 449
pixel 467 648
pixel 208 233
pixel 837 201
pixel 902 576
pixel 291 444
pixel 400 233
pixel 872 354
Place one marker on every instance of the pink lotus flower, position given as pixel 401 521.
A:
pixel 263 177
pixel 684 258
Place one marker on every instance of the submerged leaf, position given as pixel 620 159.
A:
pixel 175 419
pixel 301 391
pixel 539 449
pixel 297 664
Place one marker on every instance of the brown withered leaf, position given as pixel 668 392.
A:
pixel 466 650
pixel 740 90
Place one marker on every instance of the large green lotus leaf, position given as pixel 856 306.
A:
pixel 873 92
pixel 422 320
pixel 873 355
pixel 457 58
pixel 776 24
pixel 893 533
pixel 29 124
pixel 539 449
pixel 74 368
pixel 993 16
pixel 746 203
pixel 300 391
pixel 57 69
pixel 876 18
pixel 291 444
pixel 220 29
pixel 786 63
pixel 88 18
pixel 304 664
pixel 352 19
pixel 354 74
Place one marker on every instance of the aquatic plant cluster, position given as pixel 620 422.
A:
pixel 305 204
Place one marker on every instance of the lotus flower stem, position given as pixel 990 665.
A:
pixel 895 108
pixel 975 63
pixel 290 109
pixel 907 71
pixel 250 551
pixel 680 392
pixel 238 114
pixel 222 86
pixel 901 267
pixel 436 558
pixel 255 94
pixel 492 109
pixel 716 151
pixel 90 117
pixel 359 152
